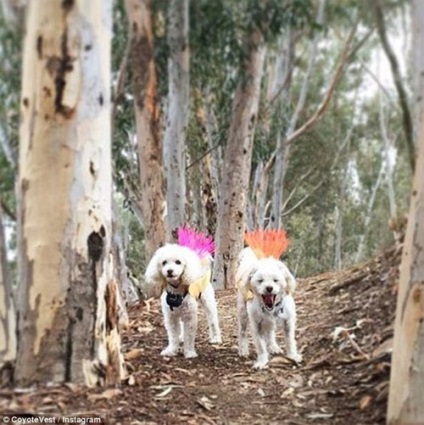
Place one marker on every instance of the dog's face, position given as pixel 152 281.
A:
pixel 172 263
pixel 269 282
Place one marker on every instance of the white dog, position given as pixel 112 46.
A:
pixel 265 301
pixel 184 279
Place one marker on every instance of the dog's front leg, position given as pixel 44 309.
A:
pixel 273 346
pixel 190 321
pixel 258 335
pixel 289 334
pixel 208 302
pixel 289 326
pixel 172 326
pixel 243 322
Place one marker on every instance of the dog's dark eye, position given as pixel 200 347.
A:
pixel 164 263
pixel 178 262
pixel 275 280
pixel 260 280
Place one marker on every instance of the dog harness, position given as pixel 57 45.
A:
pixel 195 290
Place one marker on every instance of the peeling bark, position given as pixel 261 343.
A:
pixel 237 163
pixel 177 116
pixel 407 374
pixel 7 305
pixel 149 141
pixel 65 194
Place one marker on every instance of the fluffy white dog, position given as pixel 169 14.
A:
pixel 184 280
pixel 265 301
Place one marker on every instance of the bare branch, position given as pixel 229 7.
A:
pixel 328 96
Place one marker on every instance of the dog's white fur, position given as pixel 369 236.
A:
pixel 266 276
pixel 173 268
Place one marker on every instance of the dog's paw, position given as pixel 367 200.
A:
pixel 260 365
pixel 296 357
pixel 190 354
pixel 243 352
pixel 275 349
pixel 215 339
pixel 168 352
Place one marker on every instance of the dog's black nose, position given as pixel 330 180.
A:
pixel 269 288
pixel 169 273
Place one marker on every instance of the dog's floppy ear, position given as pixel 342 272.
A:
pixel 193 268
pixel 155 282
pixel 290 279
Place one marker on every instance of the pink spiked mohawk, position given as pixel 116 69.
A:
pixel 200 243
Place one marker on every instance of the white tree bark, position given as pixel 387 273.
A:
pixel 178 107
pixel 407 374
pixel 67 302
pixel 237 163
pixel 417 19
pixel 7 305
pixel 388 159
pixel 149 141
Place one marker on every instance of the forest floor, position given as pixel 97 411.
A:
pixel 345 329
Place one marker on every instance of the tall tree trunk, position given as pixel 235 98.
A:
pixel 283 149
pixel 417 19
pixel 7 305
pixel 394 65
pixel 67 295
pixel 388 153
pixel 177 117
pixel 407 375
pixel 148 124
pixel 237 164
pixel 368 216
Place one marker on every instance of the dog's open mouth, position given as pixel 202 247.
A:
pixel 269 300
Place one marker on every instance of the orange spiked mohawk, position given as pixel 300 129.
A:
pixel 267 243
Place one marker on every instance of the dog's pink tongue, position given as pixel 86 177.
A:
pixel 269 300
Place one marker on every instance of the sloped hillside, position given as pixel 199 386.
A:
pixel 345 335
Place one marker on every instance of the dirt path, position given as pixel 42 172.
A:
pixel 343 380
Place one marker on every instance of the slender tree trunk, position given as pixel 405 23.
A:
pixel 7 305
pixel 283 149
pixel 403 98
pixel 67 296
pixel 407 374
pixel 368 215
pixel 237 163
pixel 417 19
pixel 148 124
pixel 339 225
pixel 389 160
pixel 178 107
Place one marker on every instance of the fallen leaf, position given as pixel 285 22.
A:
pixel 365 402
pixel 133 354
pixel 205 403
pixel 108 394
pixel 165 392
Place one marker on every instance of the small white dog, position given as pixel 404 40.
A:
pixel 184 279
pixel 264 300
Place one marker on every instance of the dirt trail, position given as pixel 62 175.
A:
pixel 344 333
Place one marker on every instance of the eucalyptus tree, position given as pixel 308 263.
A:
pixel 177 111
pixel 67 294
pixel 147 117
pixel 407 375
pixel 7 305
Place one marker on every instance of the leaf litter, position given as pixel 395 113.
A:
pixel 345 334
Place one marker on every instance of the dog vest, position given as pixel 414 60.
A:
pixel 195 289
